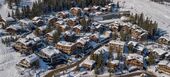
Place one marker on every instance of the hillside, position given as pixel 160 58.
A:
pixel 155 11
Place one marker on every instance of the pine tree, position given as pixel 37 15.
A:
pixel 9 14
pixel 17 13
pixel 36 32
pixel 13 14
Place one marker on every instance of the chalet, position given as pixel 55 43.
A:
pixel 63 14
pixel 81 42
pixel 104 51
pixel 99 16
pixel 94 37
pixel 72 22
pixel 77 29
pixel 117 45
pixel 27 24
pixel 95 8
pixel 52 21
pixel 75 11
pixel 49 36
pixel 140 49
pixel 14 29
pixel 69 35
pixel 23 46
pixel 29 61
pixel 134 60
pixel 159 53
pixel 26 45
pixel 42 29
pixel 61 25
pixel 125 27
pixel 114 27
pixel 113 64
pixel 5 22
pixel 138 33
pixel 49 53
pixel 87 10
pixel 109 7
pixel 164 66
pixel 133 43
pixel 125 19
pixel 38 21
pixel 66 47
pixel 103 9
pixel 164 40
pixel 89 64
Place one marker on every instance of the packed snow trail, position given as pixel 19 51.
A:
pixel 155 11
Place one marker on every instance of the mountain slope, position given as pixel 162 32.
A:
pixel 155 11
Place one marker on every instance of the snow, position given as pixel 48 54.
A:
pixel 4 8
pixel 155 11
pixel 8 59
pixel 159 51
pixel 50 51
pixel 135 56
pixel 89 62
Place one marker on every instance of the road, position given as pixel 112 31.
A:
pixel 57 70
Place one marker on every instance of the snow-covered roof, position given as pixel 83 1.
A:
pixel 70 33
pixel 163 62
pixel 126 24
pixel 26 41
pixel 89 62
pixel 64 12
pixel 124 18
pixel 134 43
pixel 51 33
pixel 103 8
pixel 33 37
pixel 102 50
pixel 60 22
pixel 36 18
pixel 159 51
pixel 86 8
pixel 122 43
pixel 50 51
pixel 65 43
pixel 165 37
pixel 73 18
pixel 31 58
pixel 136 57
pixel 140 47
pixel 9 19
pixel 95 7
pixel 14 27
pixel 78 26
pixel 83 40
pixel 42 28
pixel 115 62
pixel 76 8
pixel 26 21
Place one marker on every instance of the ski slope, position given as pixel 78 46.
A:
pixel 155 11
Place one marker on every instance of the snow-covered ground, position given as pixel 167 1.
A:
pixel 8 59
pixel 4 8
pixel 155 11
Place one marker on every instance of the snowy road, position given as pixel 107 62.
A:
pixel 155 11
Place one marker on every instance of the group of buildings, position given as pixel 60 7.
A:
pixel 81 29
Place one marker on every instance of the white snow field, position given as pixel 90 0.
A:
pixel 8 59
pixel 155 11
